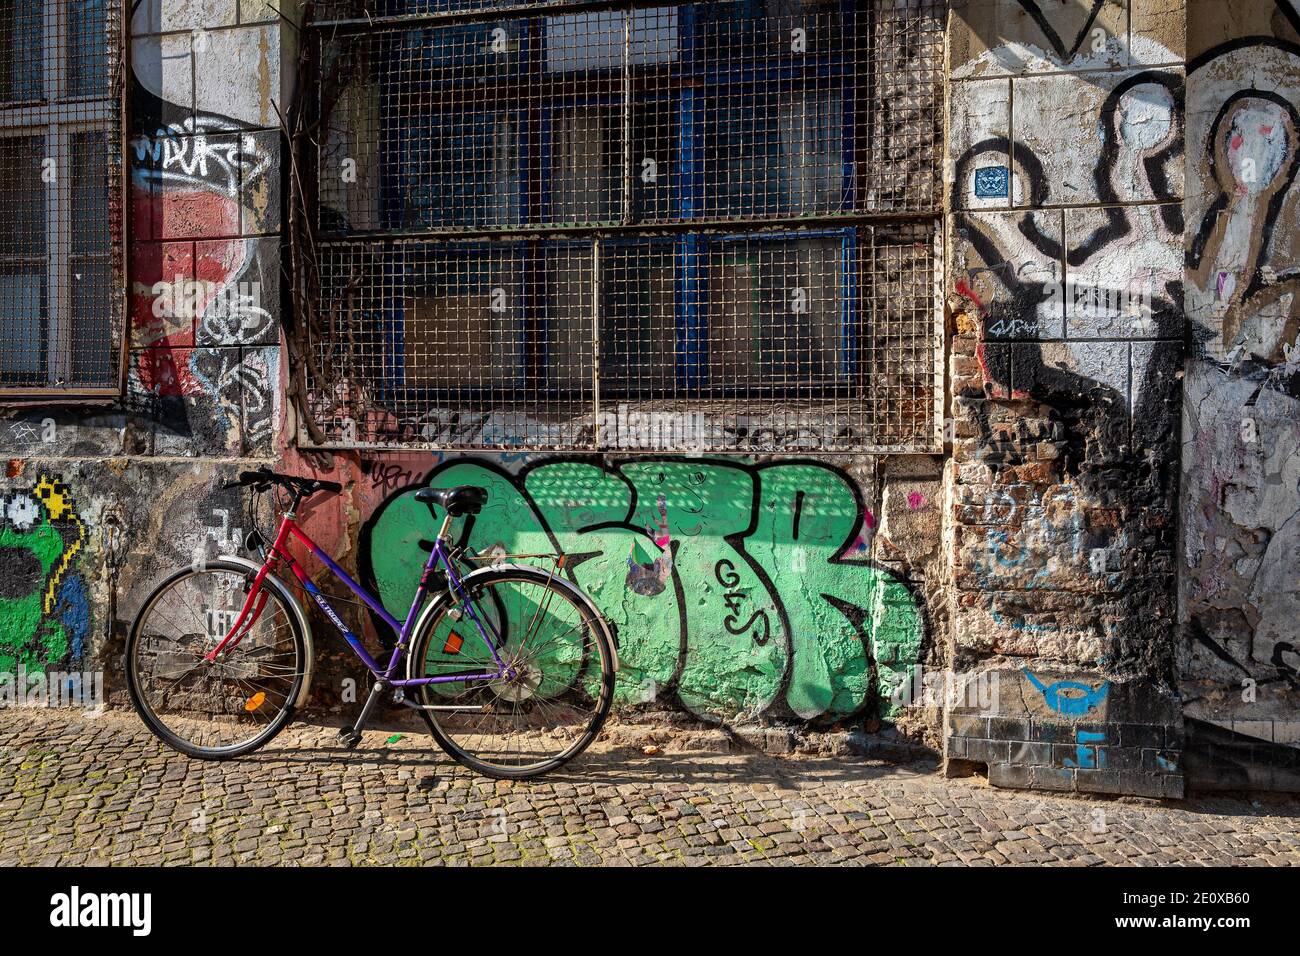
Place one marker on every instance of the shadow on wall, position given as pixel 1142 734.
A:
pixel 1041 34
pixel 735 589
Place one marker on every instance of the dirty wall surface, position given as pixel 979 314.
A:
pixel 1240 589
pixel 1111 542
pixel 1065 279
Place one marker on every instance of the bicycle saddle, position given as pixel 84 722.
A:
pixel 461 500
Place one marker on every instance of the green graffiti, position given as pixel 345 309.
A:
pixel 42 613
pixel 731 586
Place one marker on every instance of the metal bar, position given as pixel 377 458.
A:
pixel 595 339
pixel 341 27
pixel 665 228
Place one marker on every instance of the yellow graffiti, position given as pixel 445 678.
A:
pixel 54 495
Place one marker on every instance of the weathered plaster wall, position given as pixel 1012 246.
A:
pixel 1065 288
pixel 98 500
pixel 1240 594
pixel 204 165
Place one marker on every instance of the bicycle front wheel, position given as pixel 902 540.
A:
pixel 234 704
pixel 559 673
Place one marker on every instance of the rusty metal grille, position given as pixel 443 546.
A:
pixel 59 163
pixel 700 227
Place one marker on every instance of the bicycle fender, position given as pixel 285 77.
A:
pixel 299 615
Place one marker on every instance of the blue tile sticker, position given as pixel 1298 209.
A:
pixel 992 182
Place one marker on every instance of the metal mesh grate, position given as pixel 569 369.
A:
pixel 58 141
pixel 704 227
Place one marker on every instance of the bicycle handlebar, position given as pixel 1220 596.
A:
pixel 264 478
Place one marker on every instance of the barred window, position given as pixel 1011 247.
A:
pixel 705 226
pixel 57 127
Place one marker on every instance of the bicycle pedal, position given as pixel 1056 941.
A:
pixel 349 738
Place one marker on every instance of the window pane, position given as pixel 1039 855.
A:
pixel 91 334
pixel 774 314
pixel 638 352
pixel 461 169
pixel 22 324
pixel 567 275
pixel 462 319
pixel 586 158
pixel 90 193
pixel 22 196
pixel 585 41
pixel 654 157
pixel 595 41
pixel 773 153
pixel 22 28
pixel 87 48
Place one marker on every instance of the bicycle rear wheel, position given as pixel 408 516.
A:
pixel 556 645
pixel 232 705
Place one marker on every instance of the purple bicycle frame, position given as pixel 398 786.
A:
pixel 437 556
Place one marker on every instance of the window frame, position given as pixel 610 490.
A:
pixel 888 278
pixel 694 85
pixel 95 113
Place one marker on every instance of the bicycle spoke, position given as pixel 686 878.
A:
pixel 232 701
pixel 540 713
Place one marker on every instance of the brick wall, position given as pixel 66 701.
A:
pixel 1065 247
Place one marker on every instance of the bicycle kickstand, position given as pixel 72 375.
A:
pixel 349 737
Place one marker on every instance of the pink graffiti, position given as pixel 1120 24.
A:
pixel 652 578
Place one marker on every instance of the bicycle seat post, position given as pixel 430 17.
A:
pixel 445 531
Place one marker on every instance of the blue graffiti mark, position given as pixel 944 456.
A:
pixel 1056 697
pixel 1085 756
pixel 1165 764
pixel 1020 624
pixel 74 614
pixel 992 182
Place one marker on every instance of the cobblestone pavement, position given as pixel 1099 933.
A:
pixel 78 790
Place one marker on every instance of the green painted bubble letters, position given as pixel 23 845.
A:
pixel 731 586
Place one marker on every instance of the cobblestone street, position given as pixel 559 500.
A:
pixel 77 790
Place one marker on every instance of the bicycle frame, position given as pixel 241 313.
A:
pixel 256 601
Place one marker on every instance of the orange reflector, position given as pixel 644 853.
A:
pixel 560 563
pixel 256 701
pixel 453 644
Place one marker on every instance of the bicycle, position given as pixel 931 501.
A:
pixel 221 653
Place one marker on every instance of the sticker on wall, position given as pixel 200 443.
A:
pixel 992 182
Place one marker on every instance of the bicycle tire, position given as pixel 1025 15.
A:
pixel 156 725
pixel 428 626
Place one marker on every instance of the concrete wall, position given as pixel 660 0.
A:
pixel 1240 594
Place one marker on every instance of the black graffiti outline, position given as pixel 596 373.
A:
pixel 1028 295
pixel 854 614
pixel 1053 37
pixel 1291 13
pixel 1196 252
pixel 1274 379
